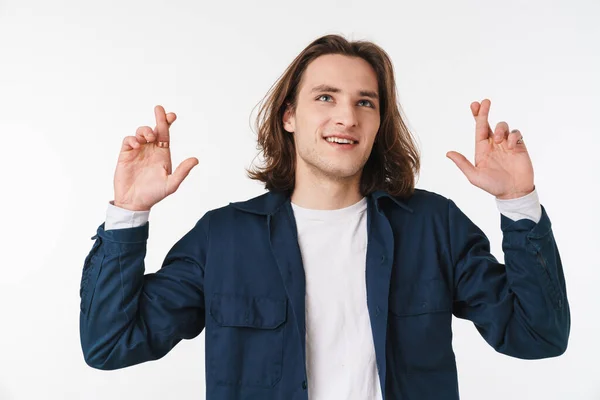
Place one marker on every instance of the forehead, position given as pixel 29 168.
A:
pixel 344 72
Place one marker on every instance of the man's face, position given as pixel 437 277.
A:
pixel 337 100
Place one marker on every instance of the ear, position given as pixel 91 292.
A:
pixel 289 121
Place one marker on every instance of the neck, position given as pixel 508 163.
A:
pixel 320 193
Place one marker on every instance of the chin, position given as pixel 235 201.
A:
pixel 343 172
pixel 332 167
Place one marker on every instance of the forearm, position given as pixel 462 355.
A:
pixel 111 285
pixel 128 317
pixel 539 325
pixel 519 307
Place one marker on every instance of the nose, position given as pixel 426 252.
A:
pixel 345 115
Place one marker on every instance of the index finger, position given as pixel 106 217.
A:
pixel 482 126
pixel 162 126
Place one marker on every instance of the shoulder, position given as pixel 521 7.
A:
pixel 425 202
pixel 236 212
pixel 429 198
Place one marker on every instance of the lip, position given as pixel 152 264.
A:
pixel 341 136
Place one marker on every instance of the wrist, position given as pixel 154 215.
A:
pixel 129 207
pixel 515 195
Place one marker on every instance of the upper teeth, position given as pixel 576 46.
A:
pixel 339 140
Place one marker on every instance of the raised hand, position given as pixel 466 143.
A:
pixel 143 175
pixel 502 164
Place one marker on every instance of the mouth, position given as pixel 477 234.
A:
pixel 342 142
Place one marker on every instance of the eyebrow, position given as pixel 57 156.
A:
pixel 327 88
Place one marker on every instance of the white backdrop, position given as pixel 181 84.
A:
pixel 76 77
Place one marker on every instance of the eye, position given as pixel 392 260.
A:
pixel 368 101
pixel 323 95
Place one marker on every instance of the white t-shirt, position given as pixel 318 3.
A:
pixel 340 353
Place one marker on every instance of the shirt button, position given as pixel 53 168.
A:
pixel 382 259
pixel 304 386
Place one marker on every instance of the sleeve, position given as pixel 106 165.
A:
pixel 128 317
pixel 527 206
pixel 120 218
pixel 520 308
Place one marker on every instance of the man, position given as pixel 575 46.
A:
pixel 341 281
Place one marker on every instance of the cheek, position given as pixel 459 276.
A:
pixel 313 122
pixel 321 125
pixel 374 128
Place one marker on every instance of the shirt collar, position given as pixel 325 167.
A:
pixel 270 202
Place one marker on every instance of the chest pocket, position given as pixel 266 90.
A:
pixel 245 344
pixel 421 325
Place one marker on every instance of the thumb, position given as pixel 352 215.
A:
pixel 463 164
pixel 180 173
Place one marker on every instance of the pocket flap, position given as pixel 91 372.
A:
pixel 248 311
pixel 420 298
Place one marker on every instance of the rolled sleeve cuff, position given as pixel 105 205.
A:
pixel 523 207
pixel 120 218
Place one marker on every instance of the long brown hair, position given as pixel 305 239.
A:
pixel 394 160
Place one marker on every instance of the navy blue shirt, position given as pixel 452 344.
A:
pixel 238 275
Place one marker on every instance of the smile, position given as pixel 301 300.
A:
pixel 333 139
